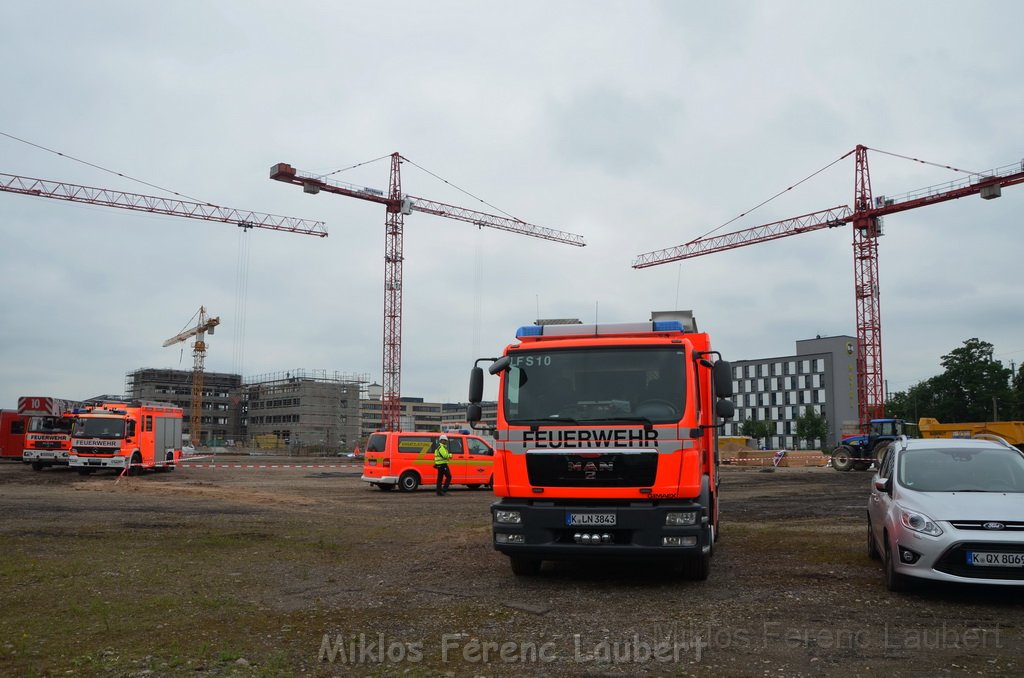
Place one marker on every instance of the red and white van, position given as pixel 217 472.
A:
pixel 406 460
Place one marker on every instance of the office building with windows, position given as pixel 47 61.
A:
pixel 822 376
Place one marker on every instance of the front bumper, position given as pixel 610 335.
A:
pixel 639 530
pixel 97 462
pixel 944 558
pixel 45 456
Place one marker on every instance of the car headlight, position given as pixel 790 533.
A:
pixel 919 522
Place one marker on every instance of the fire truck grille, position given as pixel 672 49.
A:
pixel 605 470
pixel 102 451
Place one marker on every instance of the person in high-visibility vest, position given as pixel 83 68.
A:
pixel 441 457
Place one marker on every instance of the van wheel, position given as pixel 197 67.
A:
pixel 408 482
pixel 524 567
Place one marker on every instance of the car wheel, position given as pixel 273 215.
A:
pixel 408 481
pixel 842 458
pixel 523 566
pixel 894 581
pixel 873 553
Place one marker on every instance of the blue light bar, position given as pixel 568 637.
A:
pixel 673 326
pixel 530 331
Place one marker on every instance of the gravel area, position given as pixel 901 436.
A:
pixel 303 569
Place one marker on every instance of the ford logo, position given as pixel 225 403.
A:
pixel 993 526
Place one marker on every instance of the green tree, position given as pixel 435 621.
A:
pixel 811 426
pixel 758 430
pixel 972 386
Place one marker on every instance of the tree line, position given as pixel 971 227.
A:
pixel 974 386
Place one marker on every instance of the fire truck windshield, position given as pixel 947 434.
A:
pixel 49 425
pixel 99 427
pixel 644 384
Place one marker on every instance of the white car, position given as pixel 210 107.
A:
pixel 948 510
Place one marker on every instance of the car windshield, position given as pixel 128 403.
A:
pixel 980 469
pixel 645 384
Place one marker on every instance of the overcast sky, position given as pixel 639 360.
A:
pixel 639 125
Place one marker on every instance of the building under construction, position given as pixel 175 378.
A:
pixel 303 410
pixel 222 396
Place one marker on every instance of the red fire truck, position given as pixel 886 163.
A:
pixel 12 434
pixel 128 437
pixel 607 443
pixel 48 430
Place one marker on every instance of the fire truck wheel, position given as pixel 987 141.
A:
pixel 696 568
pixel 408 481
pixel 168 462
pixel 37 466
pixel 524 567
pixel 135 465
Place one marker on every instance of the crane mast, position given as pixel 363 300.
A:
pixel 204 324
pixel 398 205
pixel 865 217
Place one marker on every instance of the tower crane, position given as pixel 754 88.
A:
pixel 245 219
pixel 203 325
pixel 865 216
pixel 59 190
pixel 398 205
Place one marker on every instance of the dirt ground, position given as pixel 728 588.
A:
pixel 301 569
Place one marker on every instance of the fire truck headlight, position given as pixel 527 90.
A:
pixel 508 517
pixel 502 538
pixel 681 518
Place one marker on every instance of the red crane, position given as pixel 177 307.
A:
pixel 174 207
pixel 147 203
pixel 397 205
pixel 864 216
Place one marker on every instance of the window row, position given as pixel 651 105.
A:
pixel 790 367
pixel 780 398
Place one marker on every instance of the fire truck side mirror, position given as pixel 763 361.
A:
pixel 725 408
pixel 474 413
pixel 500 365
pixel 722 373
pixel 476 385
